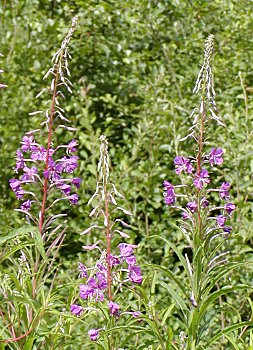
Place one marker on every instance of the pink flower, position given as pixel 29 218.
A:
pixel 114 308
pixel 93 334
pixel 76 309
pixel 201 179
pixel 135 274
pixel 215 156
pixel 183 164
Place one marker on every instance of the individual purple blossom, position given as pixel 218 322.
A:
pixel 93 288
pixel 185 215
pixel 26 206
pixel 135 274
pixel 93 334
pixel 19 160
pixel 215 156
pixel 27 143
pixel 227 229
pixel 204 202
pixel 83 271
pixel 225 186
pixel 71 148
pixel 76 309
pixel 76 181
pixel 114 261
pixel 14 184
pixel 220 219
pixel 192 206
pixel 183 164
pixel 136 314
pixel 201 179
pixel 67 164
pixel 39 153
pixel 131 260
pixel 20 193
pixel 66 189
pixel 29 173
pixel 87 292
pixel 114 308
pixel 73 198
pixel 229 207
pixel 125 250
pixel 170 196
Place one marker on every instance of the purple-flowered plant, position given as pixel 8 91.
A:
pixel 198 189
pixel 44 176
pixel 113 269
pixel 203 221
pixel 44 169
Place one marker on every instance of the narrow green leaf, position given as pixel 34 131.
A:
pixel 22 231
pixel 6 254
pixel 172 276
pixel 169 338
pixel 29 344
pixel 153 283
pixel 180 256
pixel 232 342
pixel 167 314
pixel 212 278
pixel 227 331
pixel 176 297
pixel 39 243
pixel 212 297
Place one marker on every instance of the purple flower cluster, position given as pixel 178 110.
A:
pixel 169 195
pixel 103 281
pixel 126 254
pixel 96 284
pixel 37 164
pixel 94 287
pixel 200 180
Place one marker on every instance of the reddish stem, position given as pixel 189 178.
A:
pixel 9 324
pixel 108 246
pixel 50 132
pixel 17 338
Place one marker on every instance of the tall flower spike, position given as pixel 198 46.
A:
pixel 198 223
pixel 205 76
pixel 44 167
pixel 105 279
pixel 103 165
pixel 204 83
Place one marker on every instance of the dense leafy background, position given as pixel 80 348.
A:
pixel 134 67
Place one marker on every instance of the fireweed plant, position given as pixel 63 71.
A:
pixel 204 224
pixel 115 266
pixel 44 176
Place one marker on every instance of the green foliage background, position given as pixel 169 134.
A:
pixel 134 67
